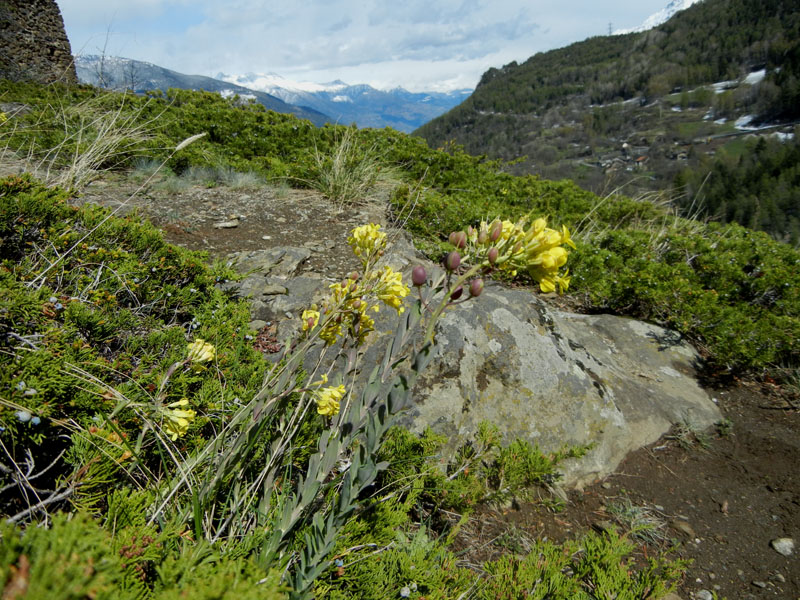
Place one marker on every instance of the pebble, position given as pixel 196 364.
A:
pixel 266 237
pixel 704 595
pixel 606 485
pixel 759 584
pixel 783 545
pixel 778 577
pixel 683 527
pixel 226 225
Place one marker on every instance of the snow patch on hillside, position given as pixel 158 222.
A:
pixel 662 16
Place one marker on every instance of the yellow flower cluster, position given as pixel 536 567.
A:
pixel 367 241
pixel 200 351
pixel 390 289
pixel 513 247
pixel 346 308
pixel 328 399
pixel 178 418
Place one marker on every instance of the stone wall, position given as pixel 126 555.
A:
pixel 33 42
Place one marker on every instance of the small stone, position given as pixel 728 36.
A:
pixel 226 224
pixel 759 584
pixel 257 324
pixel 778 577
pixel 704 595
pixel 266 237
pixel 281 220
pixel 683 527
pixel 606 485
pixel 783 545
pixel 604 526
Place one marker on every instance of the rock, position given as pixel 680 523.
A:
pixel 546 376
pixel 279 262
pixel 671 596
pixel 778 577
pixel 704 595
pixel 683 527
pixel 604 526
pixel 556 378
pixel 759 584
pixel 784 546
pixel 257 324
pixel 226 224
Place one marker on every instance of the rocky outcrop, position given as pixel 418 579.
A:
pixel 33 42
pixel 548 376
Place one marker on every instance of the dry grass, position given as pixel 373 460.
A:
pixel 349 172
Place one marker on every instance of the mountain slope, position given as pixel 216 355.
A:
pixel 568 107
pixel 360 104
pixel 125 73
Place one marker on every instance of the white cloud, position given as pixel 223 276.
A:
pixel 418 44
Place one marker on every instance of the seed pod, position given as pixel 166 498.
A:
pixel 497 229
pixel 492 255
pixel 475 287
pixel 452 261
pixel 354 276
pixel 483 236
pixel 419 276
pixel 452 237
pixel 456 293
pixel 461 239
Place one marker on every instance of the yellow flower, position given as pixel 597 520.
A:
pixel 391 290
pixel 565 238
pixel 367 240
pixel 310 319
pixel 200 351
pixel 178 419
pixel 328 400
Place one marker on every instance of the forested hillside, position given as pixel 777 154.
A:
pixel 638 109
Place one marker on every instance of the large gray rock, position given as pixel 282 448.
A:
pixel 547 376
pixel 557 378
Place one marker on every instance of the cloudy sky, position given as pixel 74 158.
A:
pixel 417 44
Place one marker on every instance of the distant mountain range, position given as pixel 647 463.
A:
pixel 336 102
pixel 124 73
pixel 360 104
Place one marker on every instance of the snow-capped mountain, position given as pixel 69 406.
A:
pixel 662 16
pixel 360 104
pixel 116 73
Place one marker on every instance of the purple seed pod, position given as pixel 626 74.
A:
pixel 452 261
pixel 475 287
pixel 492 255
pixel 497 229
pixel 461 239
pixel 456 293
pixel 419 276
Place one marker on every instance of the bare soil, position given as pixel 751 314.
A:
pixel 716 498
